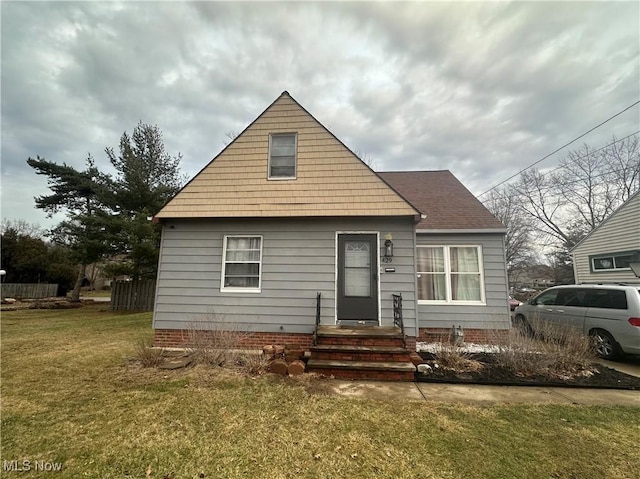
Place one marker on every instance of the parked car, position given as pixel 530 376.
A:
pixel 513 303
pixel 609 313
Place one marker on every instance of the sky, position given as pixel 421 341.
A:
pixel 481 89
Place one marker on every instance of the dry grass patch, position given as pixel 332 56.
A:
pixel 453 357
pixel 101 416
pixel 555 351
pixel 148 356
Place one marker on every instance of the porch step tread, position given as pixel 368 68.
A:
pixel 344 348
pixel 361 365
pixel 359 332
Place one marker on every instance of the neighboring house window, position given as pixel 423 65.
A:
pixel 242 263
pixel 611 262
pixel 451 274
pixel 282 156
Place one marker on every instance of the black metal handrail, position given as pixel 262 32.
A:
pixel 315 330
pixel 397 316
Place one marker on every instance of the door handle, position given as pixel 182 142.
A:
pixel 559 310
pixel 549 309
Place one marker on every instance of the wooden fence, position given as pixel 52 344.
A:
pixel 28 290
pixel 133 295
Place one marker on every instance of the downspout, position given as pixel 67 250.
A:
pixel 506 274
pixel 415 278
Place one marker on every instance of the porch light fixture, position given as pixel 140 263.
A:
pixel 388 249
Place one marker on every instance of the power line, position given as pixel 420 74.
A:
pixel 590 153
pixel 620 170
pixel 558 149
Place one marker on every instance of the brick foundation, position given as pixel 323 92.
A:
pixel 480 336
pixel 176 338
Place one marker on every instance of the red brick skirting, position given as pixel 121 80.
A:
pixel 175 338
pixel 481 336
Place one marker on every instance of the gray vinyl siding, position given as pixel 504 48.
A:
pixel 298 260
pixel 621 232
pixel 494 314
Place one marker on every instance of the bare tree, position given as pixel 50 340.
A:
pixel 366 158
pixel 624 160
pixel 582 192
pixel 568 202
pixel 22 227
pixel 231 135
pixel 519 250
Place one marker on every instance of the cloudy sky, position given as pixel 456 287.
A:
pixel 481 89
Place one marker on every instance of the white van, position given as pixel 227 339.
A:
pixel 610 313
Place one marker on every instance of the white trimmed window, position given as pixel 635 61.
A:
pixel 242 264
pixel 282 156
pixel 450 274
pixel 611 262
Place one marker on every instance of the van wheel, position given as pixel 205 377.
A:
pixel 606 346
pixel 522 325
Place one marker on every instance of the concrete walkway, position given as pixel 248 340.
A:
pixel 483 395
pixel 629 365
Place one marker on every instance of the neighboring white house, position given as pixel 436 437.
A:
pixel 605 253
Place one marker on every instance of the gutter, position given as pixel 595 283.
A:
pixel 468 230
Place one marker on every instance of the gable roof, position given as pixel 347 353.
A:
pixel 627 204
pixel 330 179
pixel 447 204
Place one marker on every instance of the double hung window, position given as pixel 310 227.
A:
pixel 242 263
pixel 450 274
pixel 282 156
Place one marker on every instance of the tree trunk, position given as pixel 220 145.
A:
pixel 75 295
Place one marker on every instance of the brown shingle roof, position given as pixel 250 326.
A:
pixel 446 202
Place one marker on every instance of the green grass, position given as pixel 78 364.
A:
pixel 72 394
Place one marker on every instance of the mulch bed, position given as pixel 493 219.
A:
pixel 492 374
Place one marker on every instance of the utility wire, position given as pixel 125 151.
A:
pixel 558 149
pixel 621 170
pixel 590 153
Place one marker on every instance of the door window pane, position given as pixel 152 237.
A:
pixel 357 268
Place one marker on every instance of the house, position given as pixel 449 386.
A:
pixel 287 228
pixel 605 253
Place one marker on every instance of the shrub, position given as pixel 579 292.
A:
pixel 552 350
pixel 454 357
pixel 253 363
pixel 213 341
pixel 148 356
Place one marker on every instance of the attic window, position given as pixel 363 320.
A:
pixel 282 156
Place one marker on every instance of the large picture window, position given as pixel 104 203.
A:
pixel 450 274
pixel 282 156
pixel 242 263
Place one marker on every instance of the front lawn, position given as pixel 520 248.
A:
pixel 71 395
